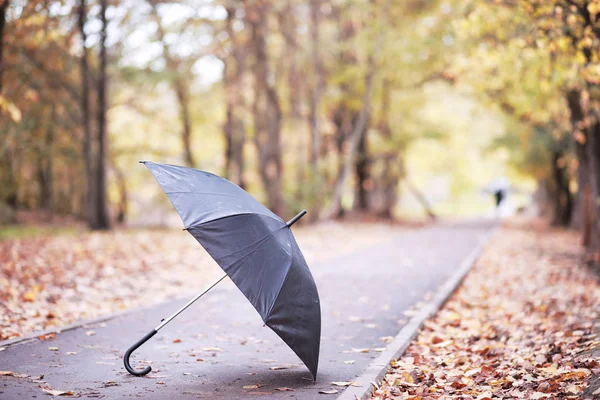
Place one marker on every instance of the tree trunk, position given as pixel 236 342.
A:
pixel 317 87
pixel 581 216
pixel 45 176
pixel 267 113
pixel 180 87
pixel 344 118
pixel 393 171
pixel 356 136
pixel 563 204
pixel 91 198
pixel 393 176
pixel 183 102
pixel 235 135
pixel 10 190
pixel 421 199
pixel 361 167
pixel 102 219
pixel 3 7
pixel 360 127
pixel 593 151
pixel 123 205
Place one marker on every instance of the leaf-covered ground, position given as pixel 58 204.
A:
pixel 51 281
pixel 524 325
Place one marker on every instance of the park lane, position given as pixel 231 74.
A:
pixel 219 348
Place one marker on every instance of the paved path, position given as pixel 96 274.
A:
pixel 219 345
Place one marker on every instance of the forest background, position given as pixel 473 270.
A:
pixel 378 107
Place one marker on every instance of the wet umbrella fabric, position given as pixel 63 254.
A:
pixel 255 248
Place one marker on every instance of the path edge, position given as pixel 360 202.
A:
pixel 378 368
pixel 90 322
pixel 75 325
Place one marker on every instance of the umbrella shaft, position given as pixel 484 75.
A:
pixel 189 303
pixel 296 218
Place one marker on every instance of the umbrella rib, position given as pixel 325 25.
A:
pixel 258 244
pixel 247 258
pixel 281 287
pixel 208 193
pixel 234 215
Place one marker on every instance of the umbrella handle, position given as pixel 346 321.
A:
pixel 134 348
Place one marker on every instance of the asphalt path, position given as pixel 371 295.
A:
pixel 219 348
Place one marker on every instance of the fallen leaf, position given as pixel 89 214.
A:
pixel 436 340
pixel 366 350
pixel 29 296
pixel 71 353
pixel 284 389
pixel 53 348
pixel 212 349
pixel 278 368
pixel 387 339
pixel 553 370
pixel 57 392
pixel 47 336
pixel 333 391
pixel 539 395
pixel 349 383
pixel 6 373
pixel 443 344
pixel 179 341
pixel 258 386
pixel 90 333
pixel 349 362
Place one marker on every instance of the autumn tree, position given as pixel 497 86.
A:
pixel 266 107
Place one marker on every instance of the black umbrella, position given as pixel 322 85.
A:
pixel 255 248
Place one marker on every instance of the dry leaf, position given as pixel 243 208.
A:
pixel 179 341
pixel 349 362
pixel 526 303
pixel 360 350
pixel 284 389
pixel 253 386
pixel 349 383
pixel 57 392
pixel 332 391
pixel 53 348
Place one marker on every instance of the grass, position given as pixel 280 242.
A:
pixel 24 231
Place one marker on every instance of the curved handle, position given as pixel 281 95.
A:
pixel 134 348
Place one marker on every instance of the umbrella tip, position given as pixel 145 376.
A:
pixel 142 162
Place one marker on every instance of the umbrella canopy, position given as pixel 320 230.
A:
pixel 255 248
